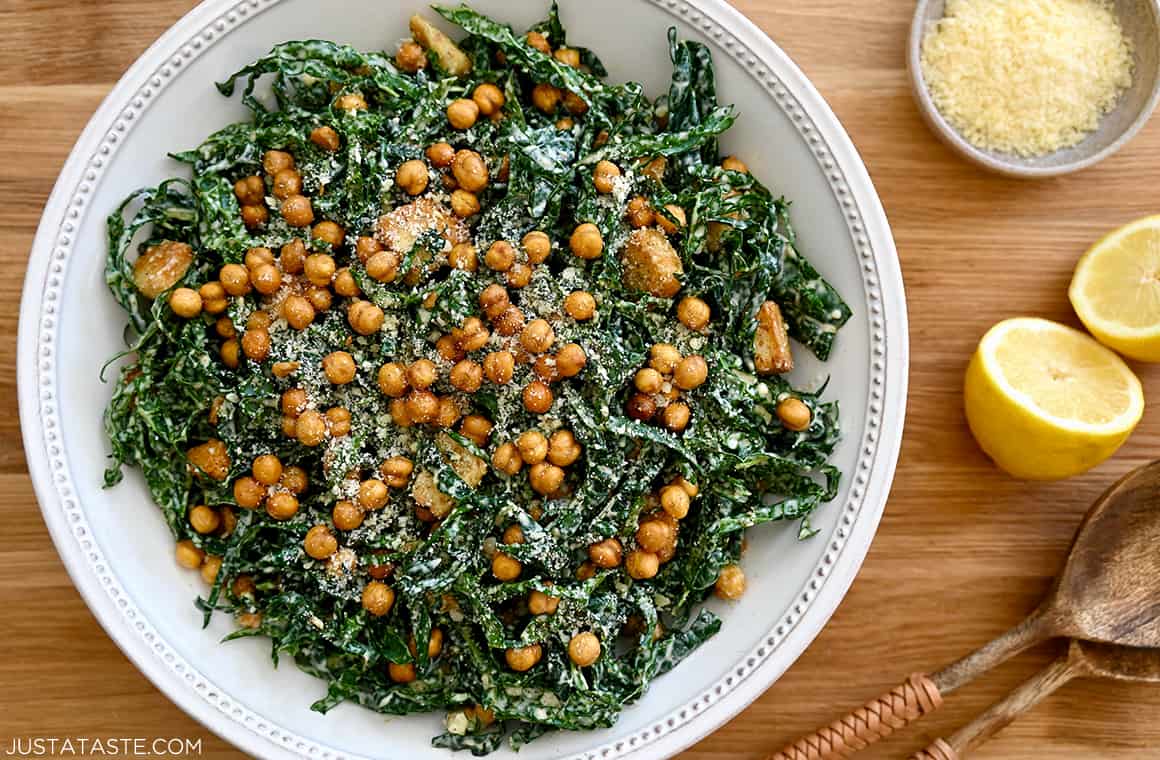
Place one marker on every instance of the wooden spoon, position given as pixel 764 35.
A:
pixel 1083 659
pixel 1107 592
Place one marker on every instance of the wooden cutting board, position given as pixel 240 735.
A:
pixel 963 551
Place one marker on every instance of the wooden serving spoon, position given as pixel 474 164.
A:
pixel 1084 659
pixel 1106 592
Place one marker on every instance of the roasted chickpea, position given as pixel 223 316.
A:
pixel 351 101
pixel 204 519
pixel 565 123
pixel 372 494
pixel 604 176
pixel 584 649
pixel 533 446
pixel 640 213
pixel 499 367
pixel 256 345
pixel 383 266
pixel 412 177
pixel 338 421
pixel 500 256
pixel 664 358
pixel 544 368
pixel 310 428
pixel 257 256
pixel 467 376
pixel 563 449
pixel 422 406
pixel 521 659
pixel 641 407
pixel 510 322
pixel 462 113
pixel 690 373
pixel 519 276
pixel 297 211
pixel 537 397
pixel 255 216
pixel 507 459
pixel 292 257
pixel 505 567
pixel 547 97
pixel 329 232
pixel 297 312
pixel 464 203
pixel 477 428
pixel 605 554
pixel 294 402
pixel 648 380
pixel 339 367
pixel 259 320
pixel 397 471
pixel 693 313
pixel 586 242
pixel 463 256
pixel 399 413
pixel 734 164
pixel 410 57
pixel 326 138
pixel 730 583
pixel 422 374
pixel 224 327
pixel 642 565
pixel 448 413
pixel 537 337
pixel 347 515
pixel 540 603
pixel 448 348
pixel 286 183
pixel 675 416
pixel 266 278
pixel 274 161
pixel 267 469
pixel 392 379
pixel 472 336
pixel 575 104
pixel 653 535
pixel 470 171
pixel 320 269
pixel 794 414
pixel 675 501
pixel 235 279
pixel 539 42
pixel 231 352
pixel 210 568
pixel 494 300
pixel 282 505
pixel 188 555
pixel 344 284
pixel 213 298
pixel 580 305
pixel 674 224
pixel 365 318
pixel 570 360
pixel 441 154
pixel 294 479
pixel 401 672
pixel 568 57
pixel 545 478
pixel 365 247
pixel 250 190
pixel 185 303
pixel 378 598
pixel 513 534
pixel 248 492
pixel 320 543
pixel 319 297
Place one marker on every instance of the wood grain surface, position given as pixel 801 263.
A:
pixel 963 551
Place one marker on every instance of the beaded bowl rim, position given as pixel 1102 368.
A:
pixel 729 32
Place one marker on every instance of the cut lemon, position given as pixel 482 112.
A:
pixel 1116 290
pixel 1046 401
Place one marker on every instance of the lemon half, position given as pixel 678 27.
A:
pixel 1048 402
pixel 1116 289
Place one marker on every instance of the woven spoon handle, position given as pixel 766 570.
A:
pixel 877 719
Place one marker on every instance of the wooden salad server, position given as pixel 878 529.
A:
pixel 1106 592
pixel 1084 659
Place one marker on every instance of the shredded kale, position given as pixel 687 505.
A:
pixel 442 644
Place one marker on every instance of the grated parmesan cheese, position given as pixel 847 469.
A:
pixel 1027 77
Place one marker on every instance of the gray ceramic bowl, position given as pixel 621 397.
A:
pixel 1140 20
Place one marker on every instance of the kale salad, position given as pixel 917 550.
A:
pixel 458 373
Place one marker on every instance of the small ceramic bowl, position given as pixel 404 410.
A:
pixel 1140 20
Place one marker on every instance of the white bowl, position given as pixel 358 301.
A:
pixel 115 543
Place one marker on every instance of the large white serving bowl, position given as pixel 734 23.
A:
pixel 115 543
